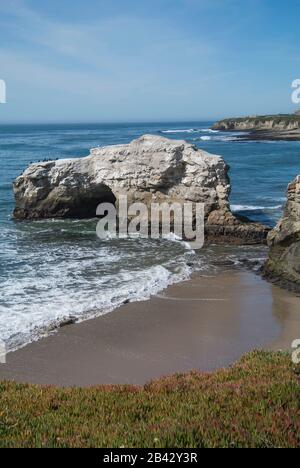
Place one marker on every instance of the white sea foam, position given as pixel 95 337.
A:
pixel 79 282
pixel 209 130
pixel 236 208
pixel 189 130
pixel 217 138
pixel 174 238
pixel 213 135
pixel 205 138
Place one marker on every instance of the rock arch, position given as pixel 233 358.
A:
pixel 85 204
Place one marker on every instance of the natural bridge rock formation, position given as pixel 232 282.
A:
pixel 283 265
pixel 149 169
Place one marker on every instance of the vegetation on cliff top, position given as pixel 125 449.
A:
pixel 255 403
pixel 261 119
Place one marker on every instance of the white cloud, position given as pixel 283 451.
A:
pixel 116 63
pixel 137 50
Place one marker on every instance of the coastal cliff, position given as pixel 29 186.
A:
pixel 283 265
pixel 149 169
pixel 277 127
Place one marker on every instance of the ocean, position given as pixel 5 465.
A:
pixel 53 270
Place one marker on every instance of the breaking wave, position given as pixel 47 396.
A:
pixel 236 208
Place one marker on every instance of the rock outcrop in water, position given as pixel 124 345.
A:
pixel 266 127
pixel 266 122
pixel 283 265
pixel 149 169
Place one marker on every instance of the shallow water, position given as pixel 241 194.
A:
pixel 51 270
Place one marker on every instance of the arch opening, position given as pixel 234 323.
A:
pixel 87 202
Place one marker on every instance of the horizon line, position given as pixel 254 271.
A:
pixel 112 122
pixel 136 121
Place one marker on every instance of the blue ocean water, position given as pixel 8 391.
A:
pixel 51 270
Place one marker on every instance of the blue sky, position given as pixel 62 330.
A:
pixel 134 60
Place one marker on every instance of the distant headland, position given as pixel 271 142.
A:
pixel 263 127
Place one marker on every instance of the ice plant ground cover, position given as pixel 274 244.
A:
pixel 255 403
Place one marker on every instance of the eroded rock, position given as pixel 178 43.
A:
pixel 283 265
pixel 149 169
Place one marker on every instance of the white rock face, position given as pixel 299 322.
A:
pixel 149 169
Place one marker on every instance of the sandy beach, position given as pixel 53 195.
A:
pixel 204 323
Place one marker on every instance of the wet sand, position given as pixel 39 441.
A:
pixel 205 323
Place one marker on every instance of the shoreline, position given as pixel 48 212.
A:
pixel 204 323
pixel 265 135
pixel 220 256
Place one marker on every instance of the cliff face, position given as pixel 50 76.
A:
pixel 283 264
pixel 277 123
pixel 150 169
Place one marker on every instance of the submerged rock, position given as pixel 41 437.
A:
pixel 283 265
pixel 149 169
pixel 224 227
